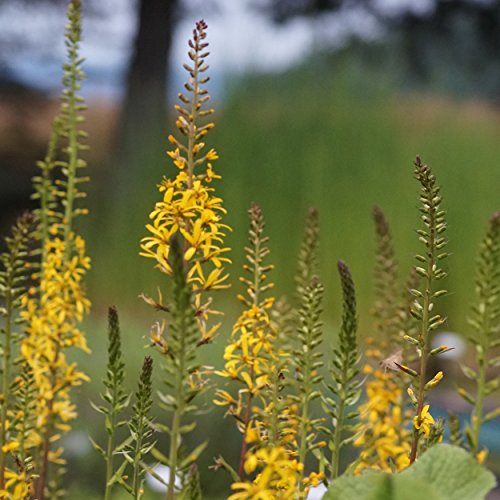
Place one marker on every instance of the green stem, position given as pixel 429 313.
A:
pixel 477 413
pixel 424 334
pixel 255 301
pixel 337 436
pixel 136 483
pixel 244 444
pixel 304 421
pixel 179 393
pixel 9 306
pixel 192 124
pixel 44 466
pixel 72 149
pixel 109 454
pixel 45 195
pixel 274 428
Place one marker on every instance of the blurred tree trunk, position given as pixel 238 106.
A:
pixel 138 161
pixel 141 128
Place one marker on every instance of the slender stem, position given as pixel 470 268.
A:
pixel 109 453
pixel 192 124
pixel 72 149
pixel 304 421
pixel 274 429
pixel 179 411
pixel 45 195
pixel 136 483
pixel 244 444
pixel 44 467
pixel 9 306
pixel 477 413
pixel 255 302
pixel 338 430
pixel 424 332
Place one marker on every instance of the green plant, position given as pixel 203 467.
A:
pixel 274 361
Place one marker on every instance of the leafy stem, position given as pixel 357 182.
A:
pixel 430 236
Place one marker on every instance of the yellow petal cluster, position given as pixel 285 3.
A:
pixel 52 321
pixel 384 440
pixel 189 208
pixel 277 476
pixel 424 421
pixel 248 354
pixel 17 485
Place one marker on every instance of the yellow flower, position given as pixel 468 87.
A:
pixel 314 479
pixel 277 478
pixel 190 210
pixel 424 421
pixel 9 447
pixel 382 435
pixel 52 320
pixel 481 456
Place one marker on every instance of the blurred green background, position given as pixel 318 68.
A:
pixel 338 131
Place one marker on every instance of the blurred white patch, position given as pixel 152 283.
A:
pixel 452 340
pixel 77 444
pixel 164 472
pixel 317 493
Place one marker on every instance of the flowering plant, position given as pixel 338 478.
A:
pixel 351 415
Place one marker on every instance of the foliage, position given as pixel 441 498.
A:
pixel 422 307
pixel 445 472
pixel 115 398
pixel 485 321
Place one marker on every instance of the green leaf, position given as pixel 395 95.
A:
pixel 444 472
pixel 379 486
pixel 453 473
pixel 158 455
pixel 97 447
pixel 193 456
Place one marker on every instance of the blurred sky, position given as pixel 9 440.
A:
pixel 241 38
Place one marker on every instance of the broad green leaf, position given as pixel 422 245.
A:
pixel 379 486
pixel 444 472
pixel 453 473
pixel 193 456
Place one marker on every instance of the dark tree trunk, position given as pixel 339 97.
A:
pixel 142 123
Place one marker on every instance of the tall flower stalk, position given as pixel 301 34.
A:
pixel 485 321
pixel 345 388
pixel 115 397
pixel 250 350
pixel 54 308
pixel 187 242
pixel 13 284
pixel 307 357
pixel 431 236
pixel 189 207
pixel 386 281
pixel 141 429
pixel 308 361
pixel 382 434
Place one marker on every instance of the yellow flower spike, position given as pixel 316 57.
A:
pixel 381 436
pixel 188 206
